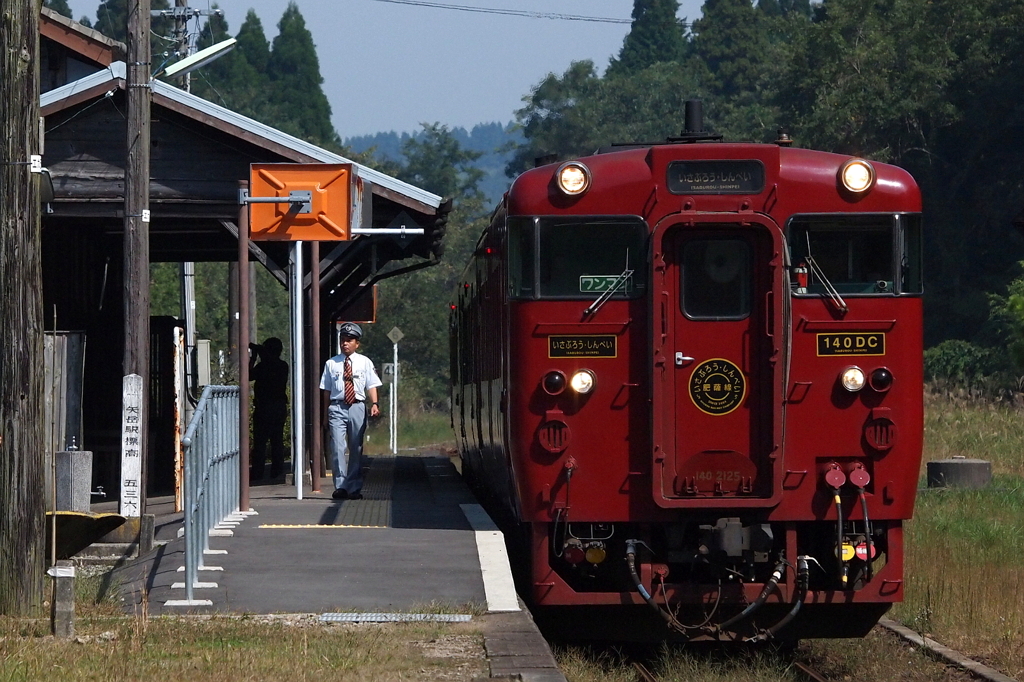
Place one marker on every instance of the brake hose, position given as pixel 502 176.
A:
pixel 780 569
pixel 631 563
pixel 867 532
pixel 802 580
pixel 844 569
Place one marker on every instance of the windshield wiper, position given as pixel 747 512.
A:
pixel 608 293
pixel 837 300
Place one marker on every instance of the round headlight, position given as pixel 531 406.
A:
pixel 573 178
pixel 554 383
pixel 857 176
pixel 853 379
pixel 881 380
pixel 582 381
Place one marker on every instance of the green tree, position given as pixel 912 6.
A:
pixel 59 6
pixel 417 303
pixel 731 38
pixel 238 80
pixel 868 78
pixel 578 113
pixel 656 35
pixel 294 70
pixel 112 21
pixel 436 162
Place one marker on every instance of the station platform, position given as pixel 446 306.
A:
pixel 417 542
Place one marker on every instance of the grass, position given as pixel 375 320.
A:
pixel 964 575
pixel 879 657
pixel 249 648
pixel 417 432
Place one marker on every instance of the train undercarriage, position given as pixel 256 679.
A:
pixel 716 578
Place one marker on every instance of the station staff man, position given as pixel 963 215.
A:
pixel 350 380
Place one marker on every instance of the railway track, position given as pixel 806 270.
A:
pixel 809 664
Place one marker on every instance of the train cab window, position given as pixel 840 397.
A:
pixel 577 258
pixel 852 254
pixel 716 279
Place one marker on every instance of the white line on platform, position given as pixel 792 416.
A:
pixel 203 568
pixel 195 586
pixel 499 589
pixel 188 602
pixel 215 551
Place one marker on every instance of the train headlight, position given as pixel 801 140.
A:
pixel 857 176
pixel 553 383
pixel 852 379
pixel 573 178
pixel 880 380
pixel 582 381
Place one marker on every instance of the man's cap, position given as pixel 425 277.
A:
pixel 350 329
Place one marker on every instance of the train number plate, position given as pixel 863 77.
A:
pixel 583 346
pixel 855 343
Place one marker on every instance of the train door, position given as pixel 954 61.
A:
pixel 717 384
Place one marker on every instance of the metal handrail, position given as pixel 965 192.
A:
pixel 210 449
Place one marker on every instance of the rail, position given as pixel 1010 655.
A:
pixel 210 449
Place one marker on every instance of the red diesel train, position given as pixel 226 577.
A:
pixel 686 378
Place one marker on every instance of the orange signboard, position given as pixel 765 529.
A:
pixel 314 201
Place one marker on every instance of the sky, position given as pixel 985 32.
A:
pixel 396 64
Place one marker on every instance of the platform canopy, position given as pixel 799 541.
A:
pixel 200 151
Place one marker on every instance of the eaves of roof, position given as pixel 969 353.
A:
pixel 87 42
pixel 199 109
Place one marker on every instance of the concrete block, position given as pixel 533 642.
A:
pixel 959 472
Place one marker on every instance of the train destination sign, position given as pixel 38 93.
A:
pixel 599 283
pixel 583 346
pixel 715 177
pixel 857 343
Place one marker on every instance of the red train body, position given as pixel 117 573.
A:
pixel 750 333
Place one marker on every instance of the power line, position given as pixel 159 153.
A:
pixel 509 12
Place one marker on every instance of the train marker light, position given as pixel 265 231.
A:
pixel 573 178
pixel 852 379
pixel 573 551
pixel 881 380
pixel 857 176
pixel 583 381
pixel 554 382
pixel 596 552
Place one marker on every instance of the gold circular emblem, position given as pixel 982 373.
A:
pixel 717 386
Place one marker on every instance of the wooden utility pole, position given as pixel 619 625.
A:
pixel 136 214
pixel 22 428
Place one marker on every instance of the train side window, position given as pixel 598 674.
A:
pixel 852 253
pixel 521 252
pixel 716 279
pixel 911 255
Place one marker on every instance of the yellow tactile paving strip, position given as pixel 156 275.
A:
pixel 314 525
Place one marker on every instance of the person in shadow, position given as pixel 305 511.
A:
pixel 270 409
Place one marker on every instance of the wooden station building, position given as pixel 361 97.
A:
pixel 200 153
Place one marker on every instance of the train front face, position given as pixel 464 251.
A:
pixel 715 404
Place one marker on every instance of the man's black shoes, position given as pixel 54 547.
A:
pixel 340 494
pixel 355 496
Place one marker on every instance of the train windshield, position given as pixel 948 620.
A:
pixel 577 257
pixel 858 254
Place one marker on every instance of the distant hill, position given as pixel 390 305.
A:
pixel 487 138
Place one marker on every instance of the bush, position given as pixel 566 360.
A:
pixel 959 362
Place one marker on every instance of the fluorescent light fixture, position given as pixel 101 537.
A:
pixel 200 59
